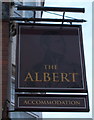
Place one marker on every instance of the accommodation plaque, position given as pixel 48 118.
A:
pixel 56 103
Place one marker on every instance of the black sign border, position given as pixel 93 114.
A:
pixel 49 109
pixel 21 89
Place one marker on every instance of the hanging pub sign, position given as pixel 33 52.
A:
pixel 54 103
pixel 50 58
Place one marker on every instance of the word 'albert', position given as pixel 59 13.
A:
pixel 55 77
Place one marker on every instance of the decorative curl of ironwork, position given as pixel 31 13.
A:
pixel 12 28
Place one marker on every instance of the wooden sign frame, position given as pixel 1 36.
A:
pixel 25 88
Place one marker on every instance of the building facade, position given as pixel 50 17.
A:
pixel 9 57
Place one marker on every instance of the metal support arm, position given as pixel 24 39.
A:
pixel 60 9
pixel 46 19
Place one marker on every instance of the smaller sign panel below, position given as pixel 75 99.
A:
pixel 53 103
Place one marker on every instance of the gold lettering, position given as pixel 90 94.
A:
pixel 63 102
pixel 56 102
pixel 55 75
pixel 28 102
pixel 55 67
pixel 25 102
pixel 33 102
pixel 48 102
pixel 45 66
pixel 72 102
pixel 28 77
pixel 42 102
pixel 50 67
pixel 74 76
pixel 37 77
pixel 46 77
pixel 78 102
pixel 64 77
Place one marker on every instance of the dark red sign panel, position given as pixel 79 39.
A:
pixel 56 103
pixel 50 58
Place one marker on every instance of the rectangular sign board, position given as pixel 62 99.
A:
pixel 54 103
pixel 50 58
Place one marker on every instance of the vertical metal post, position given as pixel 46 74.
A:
pixel 34 15
pixel 63 17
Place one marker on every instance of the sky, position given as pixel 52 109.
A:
pixel 87 40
